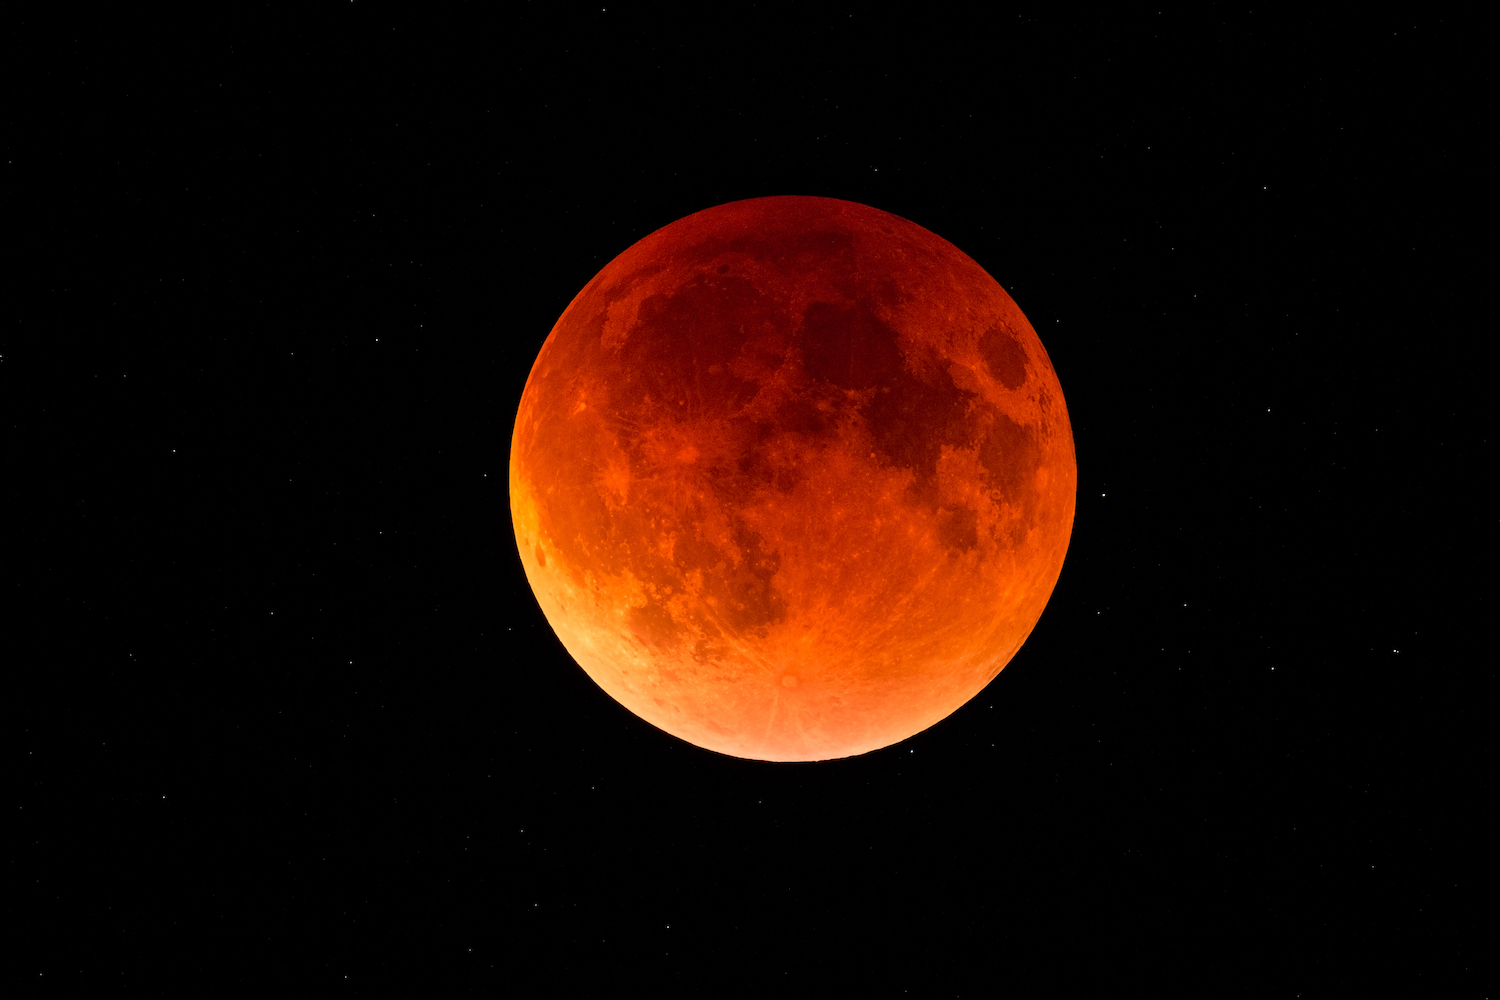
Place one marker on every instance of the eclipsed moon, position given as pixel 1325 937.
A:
pixel 792 478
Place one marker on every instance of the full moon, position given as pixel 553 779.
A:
pixel 792 478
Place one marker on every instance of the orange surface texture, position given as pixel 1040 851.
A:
pixel 792 478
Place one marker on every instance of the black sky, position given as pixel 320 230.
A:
pixel 291 711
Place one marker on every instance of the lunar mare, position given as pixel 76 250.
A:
pixel 792 478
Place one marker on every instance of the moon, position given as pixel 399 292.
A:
pixel 792 478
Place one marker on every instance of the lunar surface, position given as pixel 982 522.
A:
pixel 792 478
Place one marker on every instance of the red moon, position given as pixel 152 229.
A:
pixel 792 478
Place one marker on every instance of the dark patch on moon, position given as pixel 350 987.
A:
pixel 848 346
pixel 916 408
pixel 1004 357
pixel 1010 456
pixel 737 584
pixel 912 418
pixel 653 625
pixel 800 416
pixel 700 329
pixel 752 602
pixel 958 529
pixel 797 248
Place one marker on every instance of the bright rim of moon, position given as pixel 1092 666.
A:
pixel 792 478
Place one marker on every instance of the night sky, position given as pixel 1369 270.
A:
pixel 287 711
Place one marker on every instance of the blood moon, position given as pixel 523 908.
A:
pixel 792 478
